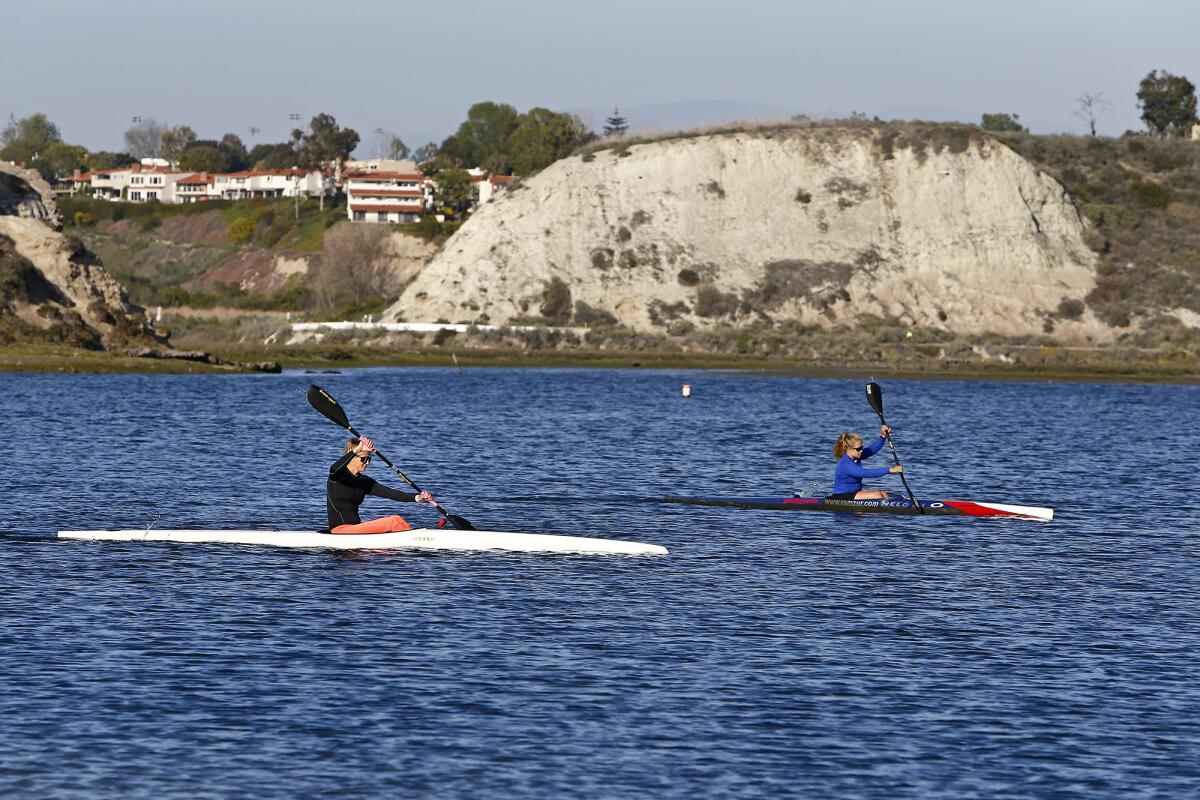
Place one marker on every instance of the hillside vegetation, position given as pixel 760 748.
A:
pixel 1141 197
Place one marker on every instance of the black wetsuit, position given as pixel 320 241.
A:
pixel 345 492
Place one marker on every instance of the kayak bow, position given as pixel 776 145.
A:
pixel 420 538
pixel 894 505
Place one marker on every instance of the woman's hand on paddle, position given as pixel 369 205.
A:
pixel 365 447
pixel 424 497
pixel 896 469
pixel 884 430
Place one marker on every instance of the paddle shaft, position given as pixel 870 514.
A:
pixel 332 410
pixel 876 402
pixel 456 520
pixel 896 458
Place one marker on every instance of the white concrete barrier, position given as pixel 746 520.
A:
pixel 426 327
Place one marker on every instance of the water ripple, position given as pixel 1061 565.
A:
pixel 771 654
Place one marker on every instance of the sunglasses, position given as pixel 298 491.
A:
pixel 364 459
pixel 855 447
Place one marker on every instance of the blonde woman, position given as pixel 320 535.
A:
pixel 848 477
pixel 348 487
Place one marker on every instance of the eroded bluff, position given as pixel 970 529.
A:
pixel 948 229
pixel 52 289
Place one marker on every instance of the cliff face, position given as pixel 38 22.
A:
pixel 51 287
pixel 23 193
pixel 816 225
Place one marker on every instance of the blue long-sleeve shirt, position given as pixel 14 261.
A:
pixel 848 476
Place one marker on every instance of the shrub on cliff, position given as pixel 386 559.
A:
pixel 241 231
pixel 556 301
pixel 1003 122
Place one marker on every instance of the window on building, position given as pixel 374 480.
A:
pixel 383 217
pixel 360 216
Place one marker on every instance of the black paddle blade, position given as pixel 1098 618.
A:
pixel 460 523
pixel 322 401
pixel 875 398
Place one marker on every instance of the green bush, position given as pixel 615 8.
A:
pixel 429 229
pixel 710 302
pixel 592 317
pixel 1150 194
pixel 556 301
pixel 241 231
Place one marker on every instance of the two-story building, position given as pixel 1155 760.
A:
pixel 247 184
pixel 70 185
pixel 137 183
pixel 386 196
pixel 491 185
pixel 265 183
pixel 194 188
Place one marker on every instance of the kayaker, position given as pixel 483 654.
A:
pixel 848 477
pixel 347 487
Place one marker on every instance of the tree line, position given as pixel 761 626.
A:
pixel 1168 104
pixel 494 136
pixel 37 142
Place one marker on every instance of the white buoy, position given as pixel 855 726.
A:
pixel 687 390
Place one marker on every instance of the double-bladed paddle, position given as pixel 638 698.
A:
pixel 323 402
pixel 875 398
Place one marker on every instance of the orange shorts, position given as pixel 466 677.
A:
pixel 390 524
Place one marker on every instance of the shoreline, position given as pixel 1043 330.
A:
pixel 51 359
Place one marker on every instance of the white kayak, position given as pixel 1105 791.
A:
pixel 421 538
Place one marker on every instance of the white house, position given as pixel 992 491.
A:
pixel 71 184
pixel 137 183
pixel 266 183
pixel 194 188
pixel 386 196
pixel 493 185
pixel 199 186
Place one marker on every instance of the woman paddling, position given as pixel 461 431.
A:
pixel 347 487
pixel 848 477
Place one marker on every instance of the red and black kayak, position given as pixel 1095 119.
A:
pixel 893 505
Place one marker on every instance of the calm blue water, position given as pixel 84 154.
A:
pixel 771 654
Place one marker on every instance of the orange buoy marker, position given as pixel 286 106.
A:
pixel 687 390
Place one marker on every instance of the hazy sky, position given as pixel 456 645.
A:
pixel 415 67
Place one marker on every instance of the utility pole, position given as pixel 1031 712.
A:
pixel 296 188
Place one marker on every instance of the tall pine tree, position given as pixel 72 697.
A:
pixel 615 125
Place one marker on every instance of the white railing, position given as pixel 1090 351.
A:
pixel 427 327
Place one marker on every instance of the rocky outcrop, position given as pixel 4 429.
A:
pixel 23 193
pixel 51 286
pixel 944 228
